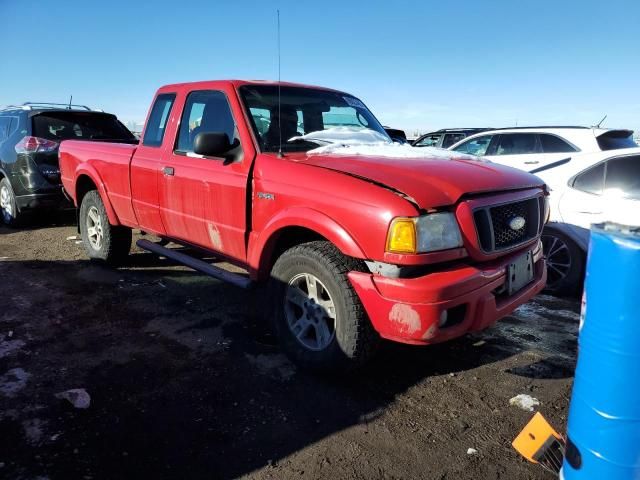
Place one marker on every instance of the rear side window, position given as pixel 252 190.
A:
pixel 60 126
pixel 428 141
pixel 476 146
pixel 553 144
pixel 154 131
pixel 451 139
pixel 516 144
pixel 615 139
pixel 591 180
pixel 5 124
pixel 204 111
pixel 623 177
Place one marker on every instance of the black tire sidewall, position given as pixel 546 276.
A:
pixel 92 199
pixel 14 206
pixel 572 283
pixel 338 351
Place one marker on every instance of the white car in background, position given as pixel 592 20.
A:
pixel 529 148
pixel 586 188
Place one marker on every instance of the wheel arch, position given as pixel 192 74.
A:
pixel 293 227
pixel 85 182
pixel 580 236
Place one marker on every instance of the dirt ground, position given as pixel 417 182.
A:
pixel 184 384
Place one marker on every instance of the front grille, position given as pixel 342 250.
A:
pixel 494 224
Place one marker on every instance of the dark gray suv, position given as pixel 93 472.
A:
pixel 30 135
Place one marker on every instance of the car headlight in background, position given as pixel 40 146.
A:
pixel 428 233
pixel 547 209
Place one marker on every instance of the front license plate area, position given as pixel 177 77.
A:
pixel 520 273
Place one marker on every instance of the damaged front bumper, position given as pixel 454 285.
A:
pixel 445 304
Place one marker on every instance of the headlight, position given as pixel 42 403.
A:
pixel 428 233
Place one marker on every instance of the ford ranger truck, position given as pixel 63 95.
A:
pixel 351 248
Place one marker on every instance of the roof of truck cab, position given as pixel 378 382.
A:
pixel 239 83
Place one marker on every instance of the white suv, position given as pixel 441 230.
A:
pixel 529 148
pixel 588 188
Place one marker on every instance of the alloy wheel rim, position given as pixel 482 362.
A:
pixel 95 233
pixel 5 203
pixel 558 259
pixel 310 312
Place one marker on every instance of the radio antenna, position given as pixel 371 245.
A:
pixel 280 155
pixel 600 122
pixel 70 100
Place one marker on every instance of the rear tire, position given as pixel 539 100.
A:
pixel 565 263
pixel 8 206
pixel 102 241
pixel 319 319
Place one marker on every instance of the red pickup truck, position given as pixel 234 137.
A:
pixel 352 247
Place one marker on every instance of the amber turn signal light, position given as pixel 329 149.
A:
pixel 402 236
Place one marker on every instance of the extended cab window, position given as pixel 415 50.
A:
pixel 204 111
pixel 516 144
pixel 154 131
pixel 475 146
pixel 591 180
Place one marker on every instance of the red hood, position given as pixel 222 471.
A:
pixel 431 182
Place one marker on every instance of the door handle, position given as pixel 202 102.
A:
pixel 590 213
pixel 168 171
pixel 532 162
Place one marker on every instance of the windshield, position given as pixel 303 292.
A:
pixel 303 111
pixel 60 126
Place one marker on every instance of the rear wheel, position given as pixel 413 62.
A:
pixel 8 207
pixel 319 320
pixel 565 263
pixel 102 241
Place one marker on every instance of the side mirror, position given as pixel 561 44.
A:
pixel 212 144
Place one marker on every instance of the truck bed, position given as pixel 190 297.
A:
pixel 110 162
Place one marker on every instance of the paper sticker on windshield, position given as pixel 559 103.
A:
pixel 354 102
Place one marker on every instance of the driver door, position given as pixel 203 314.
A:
pixel 203 199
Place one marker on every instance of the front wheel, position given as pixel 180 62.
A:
pixel 565 263
pixel 102 241
pixel 319 319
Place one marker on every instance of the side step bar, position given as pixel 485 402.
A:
pixel 196 264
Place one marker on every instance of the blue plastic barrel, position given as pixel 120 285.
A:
pixel 604 415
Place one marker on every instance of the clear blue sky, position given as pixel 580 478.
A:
pixel 417 65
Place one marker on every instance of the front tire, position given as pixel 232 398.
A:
pixel 102 241
pixel 319 319
pixel 8 206
pixel 565 263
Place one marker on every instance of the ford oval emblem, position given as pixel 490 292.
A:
pixel 516 223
